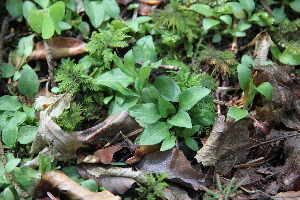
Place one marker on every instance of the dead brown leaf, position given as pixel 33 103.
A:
pixel 227 144
pixel 115 179
pixel 60 184
pixel 178 167
pixel 61 47
pixel 108 129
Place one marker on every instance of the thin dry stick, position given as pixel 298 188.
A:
pixel 49 62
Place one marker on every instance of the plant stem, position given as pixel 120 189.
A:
pixel 49 61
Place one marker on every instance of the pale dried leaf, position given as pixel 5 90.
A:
pixel 61 47
pixel 174 192
pixel 227 144
pixel 287 195
pixel 115 179
pixel 49 134
pixel 58 181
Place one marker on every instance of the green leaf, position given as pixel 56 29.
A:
pixel 9 103
pixel 155 133
pixel 181 119
pixel 12 164
pixel 266 89
pixel 227 19
pixel 144 50
pixel 57 11
pixel 96 12
pixel 248 61
pixel 244 75
pixel 27 134
pixel 248 5
pixel 279 14
pixel 216 38
pixel 168 143
pixel 8 70
pixel 28 5
pixel 90 184
pixel 237 113
pixel 208 23
pixel 191 143
pixel 128 102
pixel 129 64
pixel 150 94
pixel 187 132
pixel 234 7
pixel 123 90
pixel 145 113
pixel 28 83
pixel 48 26
pixel 143 76
pixel 288 57
pixel 275 52
pixel 114 76
pixel 25 46
pixel 64 26
pixel 14 8
pixel 43 3
pixel 202 9
pixel 112 8
pixel 242 25
pixel 84 29
pixel 167 87
pixel 165 108
pixel 35 20
pixel 189 97
pixel 251 93
pixel 295 5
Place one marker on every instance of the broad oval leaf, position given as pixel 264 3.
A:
pixel 181 119
pixel 189 97
pixel 112 8
pixel 237 113
pixel 202 9
pixel 165 108
pixel 167 87
pixel 144 50
pixel 57 11
pixel 154 133
pixel 266 89
pixel 248 5
pixel 191 143
pixel 14 7
pixel 8 70
pixel 150 95
pixel 9 103
pixel 209 23
pixel 35 20
pixel 145 113
pixel 43 3
pixel 27 6
pixel 114 76
pixel 244 75
pixel 28 83
pixel 48 26
pixel 95 10
pixel 168 143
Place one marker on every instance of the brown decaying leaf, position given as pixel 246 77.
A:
pixel 61 47
pixel 141 152
pixel 108 129
pixel 60 184
pixel 105 155
pixel 227 144
pixel 115 179
pixel 174 192
pixel 178 167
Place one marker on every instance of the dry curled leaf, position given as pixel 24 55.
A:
pixel 287 195
pixel 108 129
pixel 61 185
pixel 115 179
pixel 61 47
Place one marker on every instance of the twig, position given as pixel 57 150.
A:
pixel 49 61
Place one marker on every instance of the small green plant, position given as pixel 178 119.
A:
pixel 153 186
pixel 46 21
pixel 224 194
pixel 245 77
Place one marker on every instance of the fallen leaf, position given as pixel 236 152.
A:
pixel 178 167
pixel 287 195
pixel 174 192
pixel 60 184
pixel 226 145
pixel 141 152
pixel 115 179
pixel 108 129
pixel 49 134
pixel 61 47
